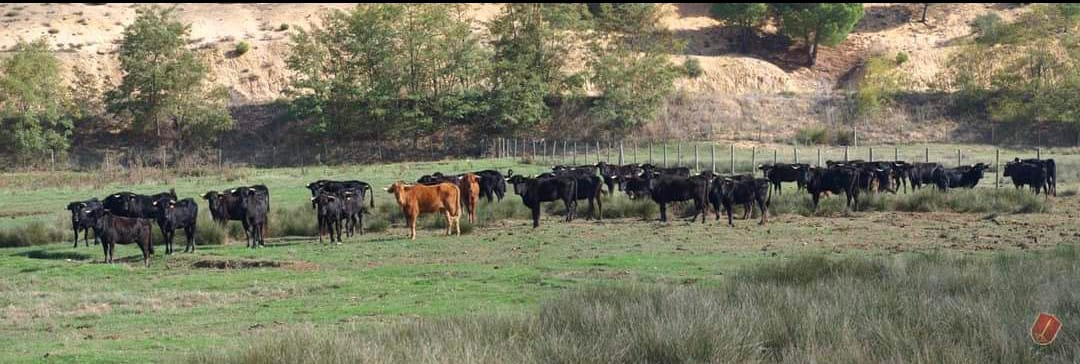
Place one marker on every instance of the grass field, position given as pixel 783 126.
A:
pixel 59 304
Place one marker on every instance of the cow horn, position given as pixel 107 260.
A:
pixel 155 203
pixel 313 199
pixel 116 196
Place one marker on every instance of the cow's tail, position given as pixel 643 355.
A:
pixel 371 195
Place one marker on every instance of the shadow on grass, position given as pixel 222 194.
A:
pixel 43 254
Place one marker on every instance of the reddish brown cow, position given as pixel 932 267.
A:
pixel 470 193
pixel 417 199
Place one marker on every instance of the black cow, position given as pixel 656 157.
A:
pixel 1051 172
pixel 114 229
pixel 225 206
pixel 727 191
pixel 437 178
pixel 668 188
pixel 589 187
pixel 81 219
pixel 338 186
pixel 533 191
pixel 614 174
pixel 586 169
pixel 127 204
pixel 172 215
pixel 492 184
pixel 964 176
pixel 900 172
pixel 255 207
pixel 784 172
pixel 673 171
pixel 836 179
pixel 353 210
pixel 923 174
pixel 1031 174
pixel 330 212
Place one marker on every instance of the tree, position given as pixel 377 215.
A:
pixel 164 86
pixel 818 23
pixel 34 110
pixel 630 66
pixel 744 16
pixel 385 71
pixel 531 43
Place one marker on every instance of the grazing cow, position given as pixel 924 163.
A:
pixel 836 179
pixel 671 188
pixel 338 186
pixel 81 220
pixel 727 191
pixel 255 208
pixel 417 199
pixel 586 169
pixel 437 178
pixel 964 176
pixel 923 174
pixel 330 212
pixel 469 185
pixel 225 206
pixel 533 191
pixel 172 215
pixel 1051 172
pixel 1031 174
pixel 114 229
pixel 589 187
pixel 784 172
pixel 492 184
pixel 353 210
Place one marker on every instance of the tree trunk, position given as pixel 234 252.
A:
pixel 811 54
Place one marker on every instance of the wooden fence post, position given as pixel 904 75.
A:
pixel 678 154
pixel 871 150
pixel 796 154
pixel 926 155
pixel 665 153
pixel 1038 153
pixel 573 155
pixel 896 153
pixel 697 167
pixel 958 157
pixel 650 152
pixel 773 157
pixel 845 154
pixel 732 157
pixel 621 153
pixel 753 159
pixel 997 164
pixel 712 153
pixel 818 157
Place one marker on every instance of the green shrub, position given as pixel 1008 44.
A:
pixel 814 135
pixel 693 67
pixel 242 47
pixel 283 27
pixel 901 58
pixel 293 221
pixel 34 233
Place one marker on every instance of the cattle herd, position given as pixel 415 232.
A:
pixel 126 218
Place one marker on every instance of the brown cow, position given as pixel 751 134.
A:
pixel 417 199
pixel 470 193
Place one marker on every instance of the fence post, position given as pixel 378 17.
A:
pixel 818 157
pixel 855 137
pixel 926 155
pixel 845 153
pixel 871 149
pixel 796 154
pixel 712 157
pixel 598 152
pixel 697 167
pixel 958 157
pixel 650 152
pixel 678 154
pixel 586 153
pixel 620 153
pixel 665 153
pixel 1038 153
pixel 573 154
pixel 732 155
pixel 565 155
pixel 997 164
pixel 774 157
pixel 753 159
pixel 896 153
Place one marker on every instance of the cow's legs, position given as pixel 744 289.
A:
pixel 535 215
pixel 76 228
pixel 764 211
pixel 730 210
pixel 411 220
pixel 105 249
pixel 449 223
pixel 663 212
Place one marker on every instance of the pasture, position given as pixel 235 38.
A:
pixel 226 302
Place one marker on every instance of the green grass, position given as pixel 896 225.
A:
pixel 62 301
pixel 909 308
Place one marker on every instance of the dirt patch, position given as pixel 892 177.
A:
pixel 243 263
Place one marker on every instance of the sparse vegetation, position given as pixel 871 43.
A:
pixel 241 48
pixel 798 308
pixel 693 67
pixel 283 27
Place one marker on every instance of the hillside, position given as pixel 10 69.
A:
pixel 741 87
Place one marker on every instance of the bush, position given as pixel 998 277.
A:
pixel 901 58
pixel 814 135
pixel 34 233
pixel 990 28
pixel 242 48
pixel 792 309
pixel 283 27
pixel 693 67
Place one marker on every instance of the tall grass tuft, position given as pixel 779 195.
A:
pixel 908 308
pixel 978 200
pixel 35 233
